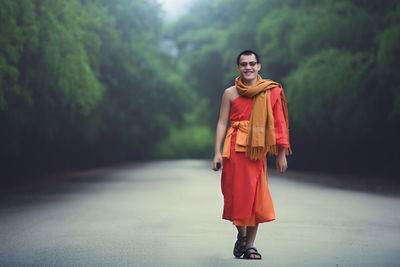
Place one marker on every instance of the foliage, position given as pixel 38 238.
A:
pixel 83 82
pixel 338 62
pixel 87 82
pixel 325 88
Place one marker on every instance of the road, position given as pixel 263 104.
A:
pixel 168 213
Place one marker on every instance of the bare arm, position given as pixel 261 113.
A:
pixel 221 128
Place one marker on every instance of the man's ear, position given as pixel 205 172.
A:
pixel 259 66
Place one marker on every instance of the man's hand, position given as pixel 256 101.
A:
pixel 281 163
pixel 217 158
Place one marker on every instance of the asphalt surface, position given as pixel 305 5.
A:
pixel 168 213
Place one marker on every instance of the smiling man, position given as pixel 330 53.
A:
pixel 258 118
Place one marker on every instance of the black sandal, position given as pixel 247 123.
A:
pixel 250 250
pixel 239 250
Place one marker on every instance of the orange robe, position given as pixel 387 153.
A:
pixel 244 182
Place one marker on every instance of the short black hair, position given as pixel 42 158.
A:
pixel 247 53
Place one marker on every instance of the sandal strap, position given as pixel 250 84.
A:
pixel 255 252
pixel 251 247
pixel 241 238
pixel 238 249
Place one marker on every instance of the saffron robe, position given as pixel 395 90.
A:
pixel 244 182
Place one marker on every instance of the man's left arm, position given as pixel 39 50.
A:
pixel 281 131
pixel 281 162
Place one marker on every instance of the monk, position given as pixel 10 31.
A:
pixel 257 111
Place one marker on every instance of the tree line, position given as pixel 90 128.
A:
pixel 91 82
pixel 337 60
pixel 86 82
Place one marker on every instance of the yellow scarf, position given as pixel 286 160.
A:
pixel 261 138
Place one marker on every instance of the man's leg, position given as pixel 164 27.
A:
pixel 241 242
pixel 251 234
pixel 251 237
pixel 242 231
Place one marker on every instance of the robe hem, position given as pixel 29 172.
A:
pixel 262 221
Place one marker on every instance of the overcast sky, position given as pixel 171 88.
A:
pixel 175 8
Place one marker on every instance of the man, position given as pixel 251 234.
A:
pixel 257 112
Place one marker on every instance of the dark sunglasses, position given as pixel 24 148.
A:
pixel 251 63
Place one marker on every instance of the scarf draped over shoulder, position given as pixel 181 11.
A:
pixel 261 135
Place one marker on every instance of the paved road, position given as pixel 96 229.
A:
pixel 168 214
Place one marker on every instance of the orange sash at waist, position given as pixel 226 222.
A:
pixel 242 128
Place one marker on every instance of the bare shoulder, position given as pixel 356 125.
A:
pixel 231 93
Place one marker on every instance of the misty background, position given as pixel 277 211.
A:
pixel 88 83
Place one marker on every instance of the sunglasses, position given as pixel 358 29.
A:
pixel 251 63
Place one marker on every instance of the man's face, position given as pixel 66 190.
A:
pixel 248 67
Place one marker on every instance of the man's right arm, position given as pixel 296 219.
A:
pixel 221 127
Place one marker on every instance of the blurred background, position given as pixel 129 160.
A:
pixel 88 83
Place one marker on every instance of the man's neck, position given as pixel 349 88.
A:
pixel 249 82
